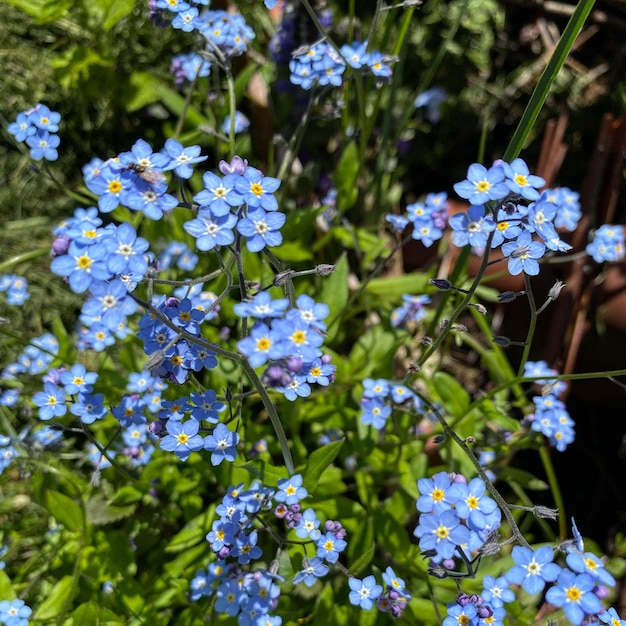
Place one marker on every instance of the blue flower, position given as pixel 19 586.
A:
pixel 364 592
pixel 460 615
pixel 312 570
pixel 612 618
pixel 290 490
pixel 523 254
pixel 262 306
pixel 533 569
pixel 496 591
pixel 14 612
pixel 242 123
pixel 78 379
pixel 222 444
pixel 308 526
pixel 207 406
pixel 329 547
pixel 441 532
pixel 257 190
pixel 589 563
pixel 81 266
pixel 519 180
pixel 181 159
pixel 245 548
pixel 482 184
pixel 375 412
pixel 472 227
pixel 51 402
pixel 575 594
pixel 43 145
pixel 471 503
pixel 262 344
pixel 218 195
pixel 434 493
pixel 182 438
pixel 210 232
pixel 127 251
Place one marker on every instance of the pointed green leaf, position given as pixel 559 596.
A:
pixel 346 176
pixel 334 293
pixel 453 397
pixel 63 509
pixel 318 461
pixel 58 597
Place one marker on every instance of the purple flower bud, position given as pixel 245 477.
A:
pixel 236 166
pixel 458 478
pixel 223 553
pixel 484 611
pixel 156 427
pixel 448 564
pixel 293 363
pixel 326 359
pixel 281 511
pixel 60 246
pixel 171 302
pixel 463 599
pixel 601 591
pixel 275 376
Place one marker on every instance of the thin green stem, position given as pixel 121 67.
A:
pixel 546 460
pixel 272 413
pixel 531 325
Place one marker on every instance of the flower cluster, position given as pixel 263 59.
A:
pixel 233 536
pixel 175 355
pixel 473 610
pixel 380 395
pixel 412 310
pixel 221 210
pixel 15 287
pixel 607 244
pixel 551 417
pixel 288 341
pixel 135 179
pixel 508 211
pixel 455 516
pixel 226 31
pixel 188 67
pixel 321 64
pixel 38 127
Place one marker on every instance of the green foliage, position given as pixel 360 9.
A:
pixel 120 545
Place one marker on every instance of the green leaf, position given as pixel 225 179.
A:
pixel 265 472
pixel 112 11
pixel 557 59
pixel 100 512
pixel 43 10
pixel 6 588
pixel 346 175
pixel 453 397
pixel 498 417
pixel 55 600
pixel 318 461
pixel 90 613
pixel 76 65
pixel 139 90
pixel 361 548
pixel 334 293
pixel 126 495
pixel 192 533
pixel 391 288
pixel 63 509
